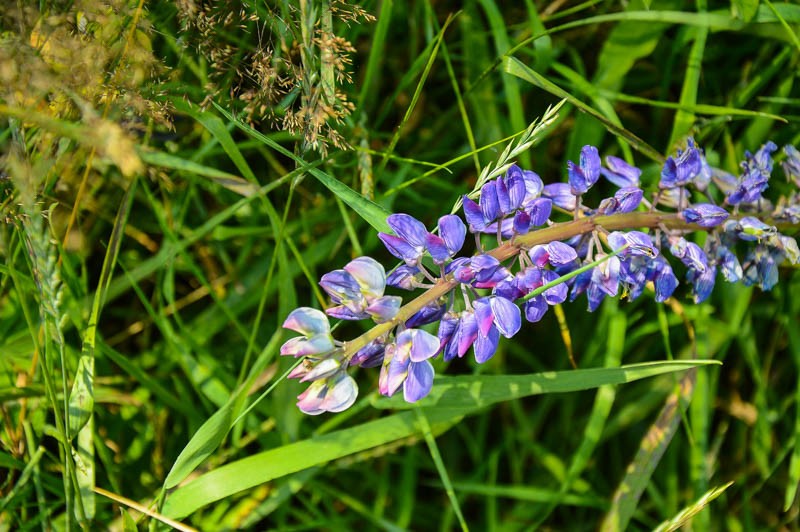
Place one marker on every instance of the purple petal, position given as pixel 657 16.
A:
pixel 437 248
pixel 605 276
pixel 483 315
pixel 474 215
pixel 590 164
pixel 424 345
pixel 506 316
pixel 403 277
pixel 533 184
pixel 430 313
pixel 466 332
pixel 419 381
pixel 628 199
pixel 705 215
pixel 408 228
pixel 396 374
pixel 447 326
pixel 401 249
pixel 503 201
pixel 453 231
pixel 486 346
pixel 322 370
pixel 344 312
pixel 539 210
pixel 371 355
pixel 307 321
pixel 384 308
pixel 522 222
pixel 561 254
pixel 516 189
pixel 489 204
pixel 621 173
pixel 310 401
pixel 299 346
pixel 561 195
pixel 340 286
pixel 535 309
pixel 369 274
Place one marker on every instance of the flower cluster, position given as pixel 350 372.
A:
pixel 527 272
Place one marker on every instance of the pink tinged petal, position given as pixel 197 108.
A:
pixel 400 248
pixel 474 215
pixel 419 381
pixel 408 228
pixel 486 346
pixel 307 321
pixel 506 316
pixel 483 315
pixel 322 370
pixel 310 401
pixel 540 255
pixel 369 274
pixel 424 345
pixel 396 373
pixel 342 393
pixel 489 204
pixel 384 308
pixel 561 254
pixel 437 248
pixel 453 231
pixel 466 332
pixel 319 344
pixel 383 379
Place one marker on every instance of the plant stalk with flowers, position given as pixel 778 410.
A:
pixel 619 246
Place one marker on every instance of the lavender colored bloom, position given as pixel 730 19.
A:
pixel 427 314
pixel 702 282
pixel 495 316
pixel 511 190
pixel 690 254
pixel 410 240
pixel 357 292
pixel 404 277
pixel 561 195
pixel 621 173
pixel 754 180
pixel 705 215
pixel 482 271
pixel 462 336
pixel 533 185
pixel 638 243
pixel 316 336
pixel 555 253
pixel 536 307
pixel 452 232
pixel 680 171
pixel 371 355
pixel 626 199
pixel 664 280
pixel 728 264
pixel 406 364
pixel 334 394
pixel 581 178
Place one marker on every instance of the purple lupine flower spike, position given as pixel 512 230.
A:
pixel 581 178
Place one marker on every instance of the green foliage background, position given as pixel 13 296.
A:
pixel 177 177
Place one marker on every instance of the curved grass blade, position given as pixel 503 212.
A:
pixel 684 120
pixel 232 182
pixel 515 67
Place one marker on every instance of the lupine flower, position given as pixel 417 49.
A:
pixel 316 331
pixel 406 364
pixel 357 291
pixel 702 282
pixel 583 176
pixel 561 195
pixel 495 315
pixel 556 253
pixel 626 199
pixel 660 272
pixel 404 277
pixel 408 242
pixel 621 173
pixel 430 313
pixel 728 264
pixel 333 394
pixel 753 181
pixel 680 171
pixel 480 215
pixel 533 278
pixel 459 338
pixel 638 243
pixel 452 232
pixel 705 215
pixel 371 355
pixel 481 271
pixel 690 254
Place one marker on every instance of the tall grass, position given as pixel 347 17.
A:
pixel 177 177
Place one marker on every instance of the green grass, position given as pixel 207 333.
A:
pixel 164 212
